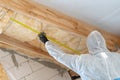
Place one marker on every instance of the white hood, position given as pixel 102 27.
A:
pixel 96 43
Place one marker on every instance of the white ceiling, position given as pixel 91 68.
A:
pixel 102 13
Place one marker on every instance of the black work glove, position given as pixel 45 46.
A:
pixel 42 37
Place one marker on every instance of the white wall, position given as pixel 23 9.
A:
pixel 103 13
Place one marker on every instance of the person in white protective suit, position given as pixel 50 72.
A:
pixel 99 64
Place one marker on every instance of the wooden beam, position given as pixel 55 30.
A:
pixel 25 48
pixel 3 75
pixel 21 46
pixel 48 15
pixel 53 17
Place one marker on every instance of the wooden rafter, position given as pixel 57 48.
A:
pixel 53 17
pixel 25 48
pixel 22 46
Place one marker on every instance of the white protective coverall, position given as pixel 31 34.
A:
pixel 99 64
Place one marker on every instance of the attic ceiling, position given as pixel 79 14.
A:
pixel 104 14
pixel 58 26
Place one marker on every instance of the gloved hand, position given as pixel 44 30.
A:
pixel 42 37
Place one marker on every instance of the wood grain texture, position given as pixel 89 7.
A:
pixel 21 46
pixel 25 48
pixel 53 17
pixel 3 75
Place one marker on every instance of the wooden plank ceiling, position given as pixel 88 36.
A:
pixel 57 25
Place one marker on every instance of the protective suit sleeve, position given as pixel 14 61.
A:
pixel 71 61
